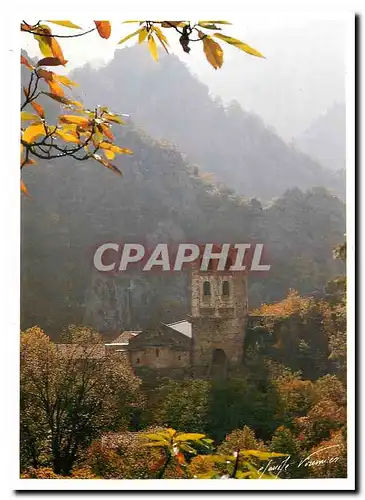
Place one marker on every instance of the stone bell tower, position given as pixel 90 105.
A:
pixel 219 311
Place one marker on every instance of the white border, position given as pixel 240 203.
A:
pixel 10 252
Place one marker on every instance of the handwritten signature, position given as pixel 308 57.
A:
pixel 309 461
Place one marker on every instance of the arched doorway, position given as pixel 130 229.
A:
pixel 218 364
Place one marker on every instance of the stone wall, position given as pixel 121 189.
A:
pixel 218 320
pixel 159 357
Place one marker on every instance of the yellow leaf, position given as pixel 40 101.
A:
pixel 142 35
pixel 78 120
pixel 66 136
pixel 28 116
pixel 160 35
pixel 67 24
pixel 153 47
pixel 109 154
pixel 212 51
pixel 66 81
pixel 157 443
pixel 240 45
pixel 163 40
pixel 214 22
pixel 32 132
pixel 113 118
pixel 189 437
pixel 104 28
pixel 23 188
pixel 44 45
pixel 130 35
pixel 124 151
pixel 114 148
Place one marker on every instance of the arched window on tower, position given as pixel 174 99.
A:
pixel 206 289
pixel 225 289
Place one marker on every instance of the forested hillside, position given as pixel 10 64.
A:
pixel 170 103
pixel 160 198
pixel 325 138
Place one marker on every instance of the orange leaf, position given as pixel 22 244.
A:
pixel 104 28
pixel 23 188
pixel 158 464
pixel 39 109
pixel 55 88
pixel 26 27
pixel 29 162
pixel 180 458
pixel 57 51
pixel 47 75
pixel 26 63
pixel 63 100
pixel 106 131
pixel 172 24
pixel 49 61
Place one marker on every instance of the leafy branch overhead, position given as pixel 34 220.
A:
pixel 87 133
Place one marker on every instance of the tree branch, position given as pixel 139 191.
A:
pixel 54 36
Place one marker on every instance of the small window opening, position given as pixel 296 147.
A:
pixel 206 288
pixel 157 353
pixel 225 290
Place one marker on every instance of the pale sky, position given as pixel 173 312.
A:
pixel 302 76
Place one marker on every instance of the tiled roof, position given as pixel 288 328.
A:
pixel 125 336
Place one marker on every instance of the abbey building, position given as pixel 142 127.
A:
pixel 209 340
